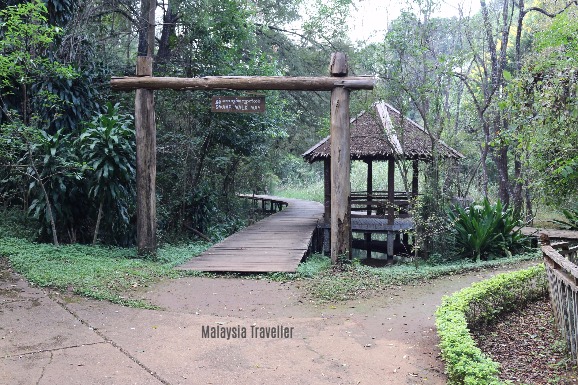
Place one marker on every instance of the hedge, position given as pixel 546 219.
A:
pixel 479 304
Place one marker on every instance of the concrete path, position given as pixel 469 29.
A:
pixel 53 338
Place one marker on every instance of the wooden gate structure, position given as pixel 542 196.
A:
pixel 339 83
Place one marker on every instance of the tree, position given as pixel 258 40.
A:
pixel 26 39
pixel 542 107
pixel 488 66
pixel 25 56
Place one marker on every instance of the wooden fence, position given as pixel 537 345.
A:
pixel 562 272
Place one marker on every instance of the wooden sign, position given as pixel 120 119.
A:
pixel 239 104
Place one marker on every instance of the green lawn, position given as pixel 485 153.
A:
pixel 94 271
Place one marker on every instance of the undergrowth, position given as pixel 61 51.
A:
pixel 98 272
pixel 354 280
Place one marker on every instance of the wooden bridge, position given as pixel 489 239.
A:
pixel 276 243
pixel 563 235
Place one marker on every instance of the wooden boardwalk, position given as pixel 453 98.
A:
pixel 567 235
pixel 276 243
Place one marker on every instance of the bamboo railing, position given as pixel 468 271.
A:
pixel 562 273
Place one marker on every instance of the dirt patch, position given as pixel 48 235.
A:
pixel 528 347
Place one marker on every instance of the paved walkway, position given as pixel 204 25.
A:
pixel 49 338
pixel 276 243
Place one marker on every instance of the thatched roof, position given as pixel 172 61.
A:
pixel 382 133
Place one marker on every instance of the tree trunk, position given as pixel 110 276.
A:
pixel 51 215
pixel 500 157
pixel 169 27
pixel 484 159
pixel 518 186
pixel 98 218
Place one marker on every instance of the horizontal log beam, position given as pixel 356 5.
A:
pixel 242 83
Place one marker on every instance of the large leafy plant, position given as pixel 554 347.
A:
pixel 485 230
pixel 107 146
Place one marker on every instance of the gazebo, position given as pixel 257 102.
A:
pixel 381 133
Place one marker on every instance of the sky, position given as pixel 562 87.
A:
pixel 372 16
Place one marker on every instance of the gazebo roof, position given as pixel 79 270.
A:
pixel 378 134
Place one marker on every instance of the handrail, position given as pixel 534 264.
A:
pixel 562 276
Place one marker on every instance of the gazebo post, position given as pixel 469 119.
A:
pixel 415 178
pixel 369 199
pixel 390 206
pixel 327 204
pixel 369 184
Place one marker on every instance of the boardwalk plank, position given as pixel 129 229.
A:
pixel 274 244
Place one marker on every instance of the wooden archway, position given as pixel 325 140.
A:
pixel 338 83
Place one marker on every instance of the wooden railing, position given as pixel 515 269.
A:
pixel 377 203
pixel 268 204
pixel 562 273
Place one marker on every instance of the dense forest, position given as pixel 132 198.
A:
pixel 499 85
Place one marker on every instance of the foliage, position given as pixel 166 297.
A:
pixel 17 224
pixel 64 192
pixel 571 222
pixel 480 303
pixel 25 57
pixel 430 225
pixel 542 107
pixel 356 280
pixel 98 272
pixel 107 146
pixel 313 266
pixel 48 166
pixel 485 230
pixel 55 172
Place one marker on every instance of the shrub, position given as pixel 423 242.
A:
pixel 486 230
pixel 475 305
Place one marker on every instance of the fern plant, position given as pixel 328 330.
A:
pixel 485 230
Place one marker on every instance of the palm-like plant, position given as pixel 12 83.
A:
pixel 485 229
pixel 107 146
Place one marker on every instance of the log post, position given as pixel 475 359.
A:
pixel 327 204
pixel 146 147
pixel 340 163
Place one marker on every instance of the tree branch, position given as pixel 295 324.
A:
pixel 546 13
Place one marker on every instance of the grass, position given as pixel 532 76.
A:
pixel 311 192
pixel 98 272
pixel 356 280
pixel 107 273
pixel 314 191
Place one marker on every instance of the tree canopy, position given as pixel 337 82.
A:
pixel 498 85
